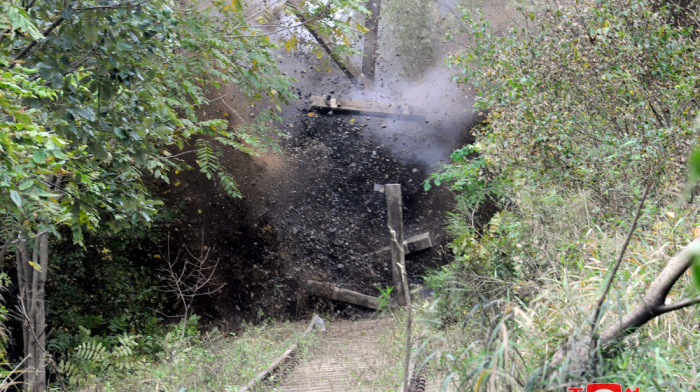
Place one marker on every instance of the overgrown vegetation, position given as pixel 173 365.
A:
pixel 97 96
pixel 586 104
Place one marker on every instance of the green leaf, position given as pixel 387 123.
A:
pixel 15 197
pixel 39 156
pixel 19 20
pixel 91 32
pixel 25 185
pixel 696 271
pixel 694 167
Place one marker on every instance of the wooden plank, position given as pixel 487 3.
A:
pixel 338 294
pixel 325 104
pixel 349 69
pixel 414 244
pixel 275 364
pixel 394 208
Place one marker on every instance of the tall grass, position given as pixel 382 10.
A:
pixel 211 361
pixel 503 328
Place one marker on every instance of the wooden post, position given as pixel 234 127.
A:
pixel 370 49
pixel 395 215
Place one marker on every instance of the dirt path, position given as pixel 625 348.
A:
pixel 350 356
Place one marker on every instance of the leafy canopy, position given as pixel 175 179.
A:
pixel 96 93
pixel 597 94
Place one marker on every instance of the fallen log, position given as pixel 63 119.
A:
pixel 326 104
pixel 338 294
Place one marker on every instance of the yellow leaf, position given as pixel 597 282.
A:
pixel 227 7
pixel 53 200
pixel 670 214
pixel 156 256
pixel 177 172
pixel 311 114
pixel 236 4
pixel 362 28
pixel 346 41
pixel 35 265
pixel 352 121
pixel 225 114
pixel 177 183
pixel 696 231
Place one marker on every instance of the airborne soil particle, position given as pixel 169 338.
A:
pixel 311 212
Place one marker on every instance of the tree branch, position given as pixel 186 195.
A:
pixel 601 300
pixel 34 42
pixel 678 305
pixel 652 305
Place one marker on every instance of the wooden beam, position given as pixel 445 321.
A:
pixel 349 69
pixel 324 104
pixel 414 244
pixel 394 208
pixel 338 294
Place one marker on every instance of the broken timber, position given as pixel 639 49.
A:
pixel 349 69
pixel 394 209
pixel 414 244
pixel 323 104
pixel 338 294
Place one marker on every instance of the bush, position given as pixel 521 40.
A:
pixel 586 104
pixel 586 95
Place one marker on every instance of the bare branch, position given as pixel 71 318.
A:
pixel 188 276
pixel 678 305
pixel 633 225
pixel 653 303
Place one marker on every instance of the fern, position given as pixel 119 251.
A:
pixel 208 159
pixel 92 359
pixel 229 185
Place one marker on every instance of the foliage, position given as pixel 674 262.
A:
pixel 571 241
pixel 94 359
pixel 110 285
pixel 97 101
pixel 586 94
pixel 212 361
pixel 337 20
pixel 585 103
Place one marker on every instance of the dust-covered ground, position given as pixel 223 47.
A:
pixel 311 212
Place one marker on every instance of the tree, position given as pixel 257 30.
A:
pixel 95 94
pixel 586 94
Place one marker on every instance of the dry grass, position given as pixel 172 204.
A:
pixel 567 245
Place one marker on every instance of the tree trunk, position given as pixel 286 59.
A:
pixel 32 282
